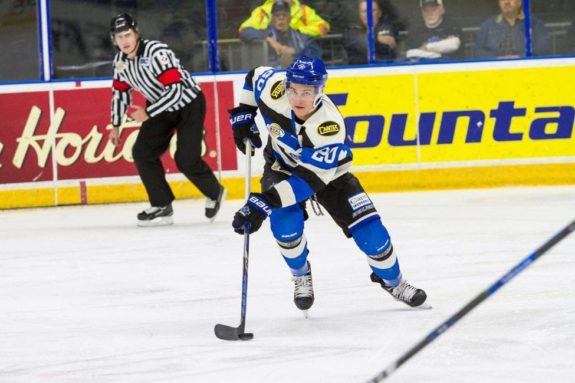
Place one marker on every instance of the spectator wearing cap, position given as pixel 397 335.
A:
pixel 285 42
pixel 355 37
pixel 503 35
pixel 304 19
pixel 438 36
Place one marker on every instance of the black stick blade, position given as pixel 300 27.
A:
pixel 232 333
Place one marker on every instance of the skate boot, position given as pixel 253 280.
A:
pixel 156 216
pixel 213 205
pixel 403 292
pixel 303 292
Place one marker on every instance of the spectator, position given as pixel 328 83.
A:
pixel 285 42
pixel 303 18
pixel 437 37
pixel 503 36
pixel 355 37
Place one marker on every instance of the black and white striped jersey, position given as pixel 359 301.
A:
pixel 156 73
pixel 313 152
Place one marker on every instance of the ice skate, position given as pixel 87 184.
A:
pixel 303 291
pixel 213 205
pixel 156 216
pixel 404 292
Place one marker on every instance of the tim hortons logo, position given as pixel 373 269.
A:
pixel 70 146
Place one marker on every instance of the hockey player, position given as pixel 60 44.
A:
pixel 306 156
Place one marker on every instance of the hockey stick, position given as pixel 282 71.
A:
pixel 474 303
pixel 237 333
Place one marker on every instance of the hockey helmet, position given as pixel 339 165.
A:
pixel 123 22
pixel 307 71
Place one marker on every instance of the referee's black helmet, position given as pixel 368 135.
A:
pixel 123 22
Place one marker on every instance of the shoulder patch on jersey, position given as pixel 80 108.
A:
pixel 164 58
pixel 145 62
pixel 277 90
pixel 328 128
pixel 275 130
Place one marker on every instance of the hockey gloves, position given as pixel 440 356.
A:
pixel 250 217
pixel 242 120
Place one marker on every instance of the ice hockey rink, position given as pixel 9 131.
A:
pixel 88 297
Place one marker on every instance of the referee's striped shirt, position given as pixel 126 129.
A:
pixel 156 73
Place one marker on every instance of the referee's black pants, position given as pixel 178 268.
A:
pixel 153 141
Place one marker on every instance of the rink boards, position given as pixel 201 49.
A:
pixel 410 127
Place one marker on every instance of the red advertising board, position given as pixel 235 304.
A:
pixel 75 140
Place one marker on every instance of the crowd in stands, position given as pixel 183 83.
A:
pixel 294 27
pixel 272 32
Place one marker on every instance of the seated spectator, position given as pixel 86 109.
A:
pixel 503 36
pixel 285 42
pixel 303 18
pixel 437 37
pixel 355 37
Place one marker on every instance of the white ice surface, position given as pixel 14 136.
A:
pixel 88 297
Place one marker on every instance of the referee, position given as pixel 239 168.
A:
pixel 175 103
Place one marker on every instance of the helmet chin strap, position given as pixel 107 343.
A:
pixel 318 96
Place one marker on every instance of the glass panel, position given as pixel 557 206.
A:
pixel 182 24
pixel 441 30
pixel 19 41
pixel 233 54
pixel 81 41
pixel 346 42
pixel 81 45
pixel 558 18
pixel 251 35
pixel 502 33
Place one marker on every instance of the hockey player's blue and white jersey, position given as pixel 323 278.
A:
pixel 312 152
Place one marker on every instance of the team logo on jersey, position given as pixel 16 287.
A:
pixel 328 128
pixel 277 90
pixel 120 66
pixel 164 59
pixel 275 130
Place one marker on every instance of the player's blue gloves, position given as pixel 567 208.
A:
pixel 251 216
pixel 242 120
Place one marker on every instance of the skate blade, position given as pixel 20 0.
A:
pixel 161 221
pixel 305 314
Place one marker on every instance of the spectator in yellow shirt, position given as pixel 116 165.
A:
pixel 303 18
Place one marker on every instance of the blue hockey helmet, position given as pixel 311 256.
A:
pixel 307 71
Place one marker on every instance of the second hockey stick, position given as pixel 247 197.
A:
pixel 238 333
pixel 474 303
